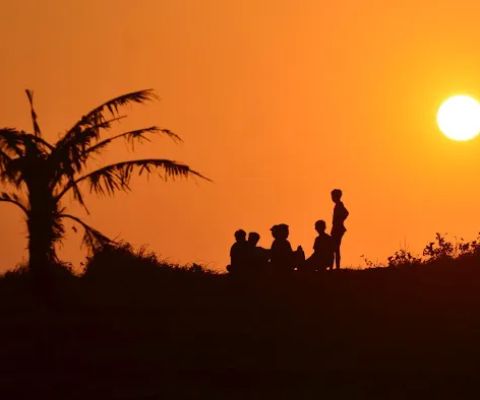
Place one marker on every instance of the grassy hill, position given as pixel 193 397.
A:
pixel 133 328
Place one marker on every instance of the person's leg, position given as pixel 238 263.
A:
pixel 337 241
pixel 337 255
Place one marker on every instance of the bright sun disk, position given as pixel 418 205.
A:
pixel 459 117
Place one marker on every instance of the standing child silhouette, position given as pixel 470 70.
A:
pixel 340 214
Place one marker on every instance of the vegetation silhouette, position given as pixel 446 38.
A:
pixel 41 173
pixel 134 327
pixel 439 252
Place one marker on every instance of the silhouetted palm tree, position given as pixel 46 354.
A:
pixel 41 174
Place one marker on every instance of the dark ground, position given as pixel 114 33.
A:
pixel 157 333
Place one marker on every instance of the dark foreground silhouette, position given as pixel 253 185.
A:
pixel 133 328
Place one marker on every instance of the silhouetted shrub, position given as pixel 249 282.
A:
pixel 115 260
pixel 124 262
pixel 440 252
pixel 403 258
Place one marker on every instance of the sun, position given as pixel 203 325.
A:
pixel 459 117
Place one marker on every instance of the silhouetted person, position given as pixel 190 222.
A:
pixel 257 256
pixel 238 253
pixel 340 214
pixel 322 257
pixel 282 257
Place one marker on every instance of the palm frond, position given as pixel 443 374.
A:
pixel 11 142
pixel 36 127
pixel 71 149
pixel 11 172
pixel 13 199
pixel 113 105
pixel 116 177
pixel 93 239
pixel 77 194
pixel 132 136
pixel 5 159
pixel 96 119
pixel 19 143
pixel 70 157
pixel 19 151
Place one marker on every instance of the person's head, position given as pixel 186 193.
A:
pixel 280 231
pixel 320 226
pixel 336 195
pixel 240 235
pixel 274 230
pixel 253 238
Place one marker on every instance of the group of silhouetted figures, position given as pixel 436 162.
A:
pixel 247 257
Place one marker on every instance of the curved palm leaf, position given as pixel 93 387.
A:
pixel 115 177
pixel 19 151
pixel 11 142
pixel 131 137
pixel 13 199
pixel 89 126
pixel 112 105
pixel 93 239
pixel 5 160
pixel 70 154
pixel 68 160
pixel 11 170
pixel 19 143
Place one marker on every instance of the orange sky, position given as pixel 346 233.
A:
pixel 277 101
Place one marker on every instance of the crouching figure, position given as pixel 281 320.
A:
pixel 323 249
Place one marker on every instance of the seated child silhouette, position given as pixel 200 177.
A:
pixel 257 256
pixel 282 257
pixel 239 253
pixel 322 257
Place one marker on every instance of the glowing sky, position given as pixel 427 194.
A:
pixel 277 101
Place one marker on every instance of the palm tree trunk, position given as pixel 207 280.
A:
pixel 39 245
pixel 41 230
pixel 41 236
pixel 41 239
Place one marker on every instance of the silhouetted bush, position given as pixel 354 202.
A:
pixel 123 261
pixel 440 252
pixel 403 258
pixel 118 260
